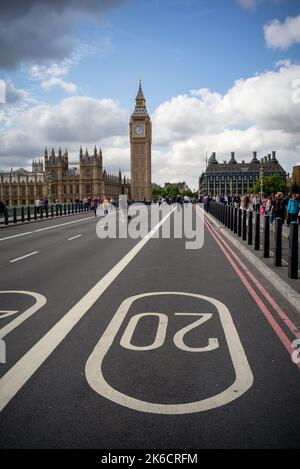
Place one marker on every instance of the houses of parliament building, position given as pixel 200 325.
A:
pixel 53 177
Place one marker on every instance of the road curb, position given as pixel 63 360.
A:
pixel 284 288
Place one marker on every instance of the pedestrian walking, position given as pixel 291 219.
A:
pixel 293 208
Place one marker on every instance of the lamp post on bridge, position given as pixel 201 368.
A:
pixel 261 176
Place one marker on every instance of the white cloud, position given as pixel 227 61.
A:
pixel 282 35
pixel 257 113
pixel 65 85
pixel 74 121
pixel 248 4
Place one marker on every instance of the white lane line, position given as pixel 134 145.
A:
pixel 62 224
pixel 23 257
pixel 48 228
pixel 20 373
pixel 75 237
pixel 16 236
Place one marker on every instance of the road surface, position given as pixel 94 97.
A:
pixel 130 343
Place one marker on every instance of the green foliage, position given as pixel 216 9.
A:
pixel 271 184
pixel 172 190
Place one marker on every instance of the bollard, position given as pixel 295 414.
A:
pixel 52 210
pixel 28 214
pixel 293 251
pixel 266 236
pixel 72 207
pixel 15 215
pixel 231 217
pixel 6 217
pixel 250 227
pixel 228 217
pixel 278 242
pixel 76 208
pixel 41 212
pixel 244 227
pixel 56 210
pixel 22 215
pixel 239 222
pixel 235 219
pixel 65 209
pixel 257 232
pixel 60 210
pixel 69 209
pixel 47 211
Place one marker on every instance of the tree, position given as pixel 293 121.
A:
pixel 271 184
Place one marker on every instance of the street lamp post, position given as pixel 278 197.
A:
pixel 261 176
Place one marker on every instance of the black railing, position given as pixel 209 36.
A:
pixel 23 214
pixel 240 221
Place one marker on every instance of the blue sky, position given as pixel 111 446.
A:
pixel 174 46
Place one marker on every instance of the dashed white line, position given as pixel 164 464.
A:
pixel 47 228
pixel 62 224
pixel 22 370
pixel 23 257
pixel 16 236
pixel 75 237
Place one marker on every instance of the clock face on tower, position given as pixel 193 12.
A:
pixel 139 130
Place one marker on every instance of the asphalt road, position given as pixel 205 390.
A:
pixel 136 343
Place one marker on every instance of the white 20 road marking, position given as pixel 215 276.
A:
pixel 19 374
pixel 24 257
pixel 95 378
pixel 40 301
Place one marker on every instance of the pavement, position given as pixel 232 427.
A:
pixel 141 343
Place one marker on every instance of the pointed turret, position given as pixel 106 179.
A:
pixel 140 103
pixel 95 152
pixel 140 96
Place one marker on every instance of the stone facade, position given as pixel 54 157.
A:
pixel 296 179
pixel 56 180
pixel 237 178
pixel 140 129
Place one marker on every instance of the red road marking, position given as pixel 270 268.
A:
pixel 293 328
pixel 275 326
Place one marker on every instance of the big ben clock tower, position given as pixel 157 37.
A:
pixel 140 150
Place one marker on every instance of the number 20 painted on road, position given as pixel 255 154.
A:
pixel 161 333
pixel 243 375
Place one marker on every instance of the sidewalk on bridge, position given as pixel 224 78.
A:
pixel 277 276
pixel 285 229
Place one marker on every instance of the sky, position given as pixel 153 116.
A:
pixel 218 75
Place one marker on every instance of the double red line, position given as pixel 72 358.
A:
pixel 230 256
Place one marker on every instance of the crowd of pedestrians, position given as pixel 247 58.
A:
pixel 286 207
